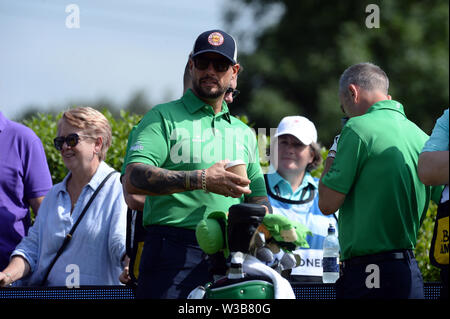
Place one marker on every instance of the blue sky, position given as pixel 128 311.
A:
pixel 120 47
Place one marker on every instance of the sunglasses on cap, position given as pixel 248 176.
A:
pixel 220 65
pixel 233 92
pixel 71 140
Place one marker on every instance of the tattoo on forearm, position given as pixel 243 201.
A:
pixel 195 180
pixel 161 181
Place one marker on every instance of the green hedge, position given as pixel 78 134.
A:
pixel 44 125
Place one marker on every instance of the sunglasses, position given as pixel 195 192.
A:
pixel 220 65
pixel 71 140
pixel 233 92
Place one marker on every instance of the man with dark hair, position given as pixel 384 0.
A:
pixel 135 230
pixel 177 157
pixel 371 177
pixel 230 93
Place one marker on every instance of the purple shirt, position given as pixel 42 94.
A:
pixel 24 175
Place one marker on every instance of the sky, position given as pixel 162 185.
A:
pixel 119 48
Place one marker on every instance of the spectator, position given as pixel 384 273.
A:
pixel 136 232
pixel 293 192
pixel 373 182
pixel 433 170
pixel 232 92
pixel 182 188
pixel 98 244
pixel 25 179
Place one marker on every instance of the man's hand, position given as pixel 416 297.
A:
pixel 220 181
pixel 145 179
pixel 330 200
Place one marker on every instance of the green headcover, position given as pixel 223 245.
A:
pixel 284 230
pixel 211 233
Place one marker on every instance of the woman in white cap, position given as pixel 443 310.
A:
pixel 293 192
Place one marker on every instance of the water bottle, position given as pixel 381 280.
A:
pixel 330 262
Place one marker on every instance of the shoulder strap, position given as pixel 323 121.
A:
pixel 312 193
pixel 74 227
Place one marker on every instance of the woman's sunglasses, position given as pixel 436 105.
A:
pixel 220 65
pixel 71 140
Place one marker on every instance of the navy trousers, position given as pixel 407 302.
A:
pixel 172 264
pixel 385 279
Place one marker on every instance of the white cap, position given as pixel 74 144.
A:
pixel 298 126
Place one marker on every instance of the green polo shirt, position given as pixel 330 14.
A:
pixel 186 135
pixel 376 167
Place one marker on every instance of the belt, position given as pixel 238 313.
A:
pixel 376 258
pixel 175 233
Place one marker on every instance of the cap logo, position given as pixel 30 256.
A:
pixel 215 39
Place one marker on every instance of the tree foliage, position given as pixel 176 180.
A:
pixel 45 127
pixel 296 62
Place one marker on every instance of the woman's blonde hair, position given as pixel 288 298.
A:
pixel 315 149
pixel 92 122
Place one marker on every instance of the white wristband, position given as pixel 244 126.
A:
pixel 331 154
pixel 333 148
pixel 335 143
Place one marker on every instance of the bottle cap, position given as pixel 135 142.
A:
pixel 331 229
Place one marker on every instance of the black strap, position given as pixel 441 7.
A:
pixel 312 193
pixel 311 188
pixel 74 227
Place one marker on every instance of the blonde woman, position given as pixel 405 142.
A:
pixel 95 253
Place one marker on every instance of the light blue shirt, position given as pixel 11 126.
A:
pixel 279 186
pixel 304 210
pixel 438 140
pixel 97 245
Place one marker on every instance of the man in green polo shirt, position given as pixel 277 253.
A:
pixel 372 179
pixel 177 157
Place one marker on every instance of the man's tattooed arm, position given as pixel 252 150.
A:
pixel 152 180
